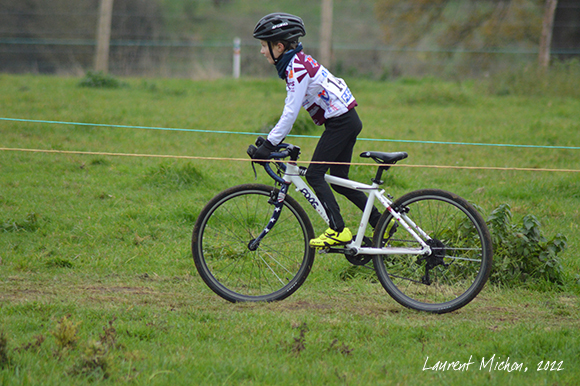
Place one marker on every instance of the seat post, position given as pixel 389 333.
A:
pixel 379 175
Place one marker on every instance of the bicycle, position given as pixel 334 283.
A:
pixel 431 249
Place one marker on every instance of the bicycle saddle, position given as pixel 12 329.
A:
pixel 384 158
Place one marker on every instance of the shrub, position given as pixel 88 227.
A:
pixel 100 80
pixel 65 333
pixel 521 253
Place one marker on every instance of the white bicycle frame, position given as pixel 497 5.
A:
pixel 292 175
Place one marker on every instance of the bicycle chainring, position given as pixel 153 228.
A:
pixel 361 259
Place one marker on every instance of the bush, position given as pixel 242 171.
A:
pixel 100 80
pixel 65 333
pixel 521 253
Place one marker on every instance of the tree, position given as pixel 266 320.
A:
pixel 461 24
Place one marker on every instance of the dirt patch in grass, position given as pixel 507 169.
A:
pixel 116 289
pixel 493 309
pixel 304 305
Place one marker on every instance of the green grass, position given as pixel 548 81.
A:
pixel 105 240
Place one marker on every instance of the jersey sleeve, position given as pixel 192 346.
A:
pixel 296 92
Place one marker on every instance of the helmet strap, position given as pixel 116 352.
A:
pixel 272 53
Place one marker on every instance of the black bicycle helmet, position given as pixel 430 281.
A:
pixel 279 26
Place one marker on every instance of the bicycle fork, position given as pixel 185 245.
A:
pixel 279 203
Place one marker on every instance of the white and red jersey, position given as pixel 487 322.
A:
pixel 312 86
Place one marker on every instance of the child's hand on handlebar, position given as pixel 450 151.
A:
pixel 264 150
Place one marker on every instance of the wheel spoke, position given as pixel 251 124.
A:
pixel 460 258
pixel 226 226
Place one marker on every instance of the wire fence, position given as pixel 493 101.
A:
pixel 59 38
pixel 140 155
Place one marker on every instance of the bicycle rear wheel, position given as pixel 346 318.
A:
pixel 220 241
pixel 461 258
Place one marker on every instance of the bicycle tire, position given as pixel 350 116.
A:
pixel 220 241
pixel 460 262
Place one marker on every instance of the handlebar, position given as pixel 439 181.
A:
pixel 284 150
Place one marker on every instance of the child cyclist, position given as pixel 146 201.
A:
pixel 329 101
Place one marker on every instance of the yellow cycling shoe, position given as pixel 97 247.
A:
pixel 332 238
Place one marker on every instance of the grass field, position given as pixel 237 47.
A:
pixel 97 283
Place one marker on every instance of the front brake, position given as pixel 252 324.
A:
pixel 251 151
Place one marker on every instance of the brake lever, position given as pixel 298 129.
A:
pixel 251 151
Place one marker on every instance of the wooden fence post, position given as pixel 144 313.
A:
pixel 104 35
pixel 546 38
pixel 237 51
pixel 326 33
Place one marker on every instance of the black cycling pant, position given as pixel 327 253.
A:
pixel 336 145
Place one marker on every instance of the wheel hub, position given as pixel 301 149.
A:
pixel 437 253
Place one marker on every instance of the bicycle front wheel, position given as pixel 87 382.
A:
pixel 220 241
pixel 461 252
